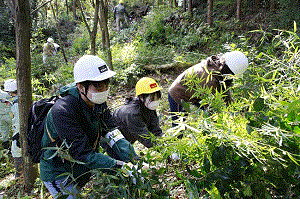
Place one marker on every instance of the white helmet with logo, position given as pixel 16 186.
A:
pixel 10 85
pixel 91 68
pixel 50 40
pixel 237 62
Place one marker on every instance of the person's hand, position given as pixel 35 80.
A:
pixel 125 151
pixel 175 156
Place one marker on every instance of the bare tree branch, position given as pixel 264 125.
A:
pixel 84 19
pixel 40 6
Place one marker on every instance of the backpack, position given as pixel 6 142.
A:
pixel 36 121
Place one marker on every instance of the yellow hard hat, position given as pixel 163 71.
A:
pixel 121 1
pixel 146 85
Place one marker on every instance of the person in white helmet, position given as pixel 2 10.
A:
pixel 5 119
pixel 10 86
pixel 50 48
pixel 211 72
pixel 78 122
pixel 138 118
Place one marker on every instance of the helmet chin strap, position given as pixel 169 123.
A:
pixel 85 95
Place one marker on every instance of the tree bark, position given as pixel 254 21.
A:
pixel 74 9
pixel 184 5
pixel 23 69
pixel 58 33
pixel 209 11
pixel 190 7
pixel 93 32
pixel 95 28
pixel 238 9
pixel 104 29
pixel 67 7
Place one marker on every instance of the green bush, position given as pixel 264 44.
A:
pixel 251 148
pixel 8 70
pixel 81 44
pixel 156 30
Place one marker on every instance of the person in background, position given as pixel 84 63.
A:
pixel 121 16
pixel 50 48
pixel 10 86
pixel 231 63
pixel 5 119
pixel 138 118
pixel 78 122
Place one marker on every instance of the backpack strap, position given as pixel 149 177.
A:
pixel 51 138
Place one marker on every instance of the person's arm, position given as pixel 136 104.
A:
pixel 69 129
pixel 138 128
pixel 153 126
pixel 116 140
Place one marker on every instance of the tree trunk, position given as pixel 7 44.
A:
pixel 209 11
pixel 190 7
pixel 238 9
pixel 95 28
pixel 74 9
pixel 104 29
pixel 184 5
pixel 58 33
pixel 67 8
pixel 93 32
pixel 23 69
pixel 272 5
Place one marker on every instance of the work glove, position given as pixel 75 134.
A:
pixel 125 151
pixel 121 147
pixel 175 156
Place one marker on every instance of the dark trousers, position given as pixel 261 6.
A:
pixel 174 108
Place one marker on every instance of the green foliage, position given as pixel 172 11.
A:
pixel 156 31
pixel 7 32
pixel 8 70
pixel 154 55
pixel 250 148
pixel 81 44
pixel 128 77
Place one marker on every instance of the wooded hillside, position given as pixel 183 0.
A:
pixel 248 149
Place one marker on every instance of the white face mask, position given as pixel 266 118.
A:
pixel 99 98
pixel 152 105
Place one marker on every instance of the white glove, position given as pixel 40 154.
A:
pixel 175 156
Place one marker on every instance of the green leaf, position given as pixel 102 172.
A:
pixel 295 26
pixel 186 106
pixel 247 191
pixel 293 159
pixel 259 104
pixel 297 129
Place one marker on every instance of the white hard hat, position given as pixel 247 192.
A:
pixel 237 62
pixel 50 40
pixel 10 85
pixel 91 68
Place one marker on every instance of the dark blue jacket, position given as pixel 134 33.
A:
pixel 75 125
pixel 136 122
